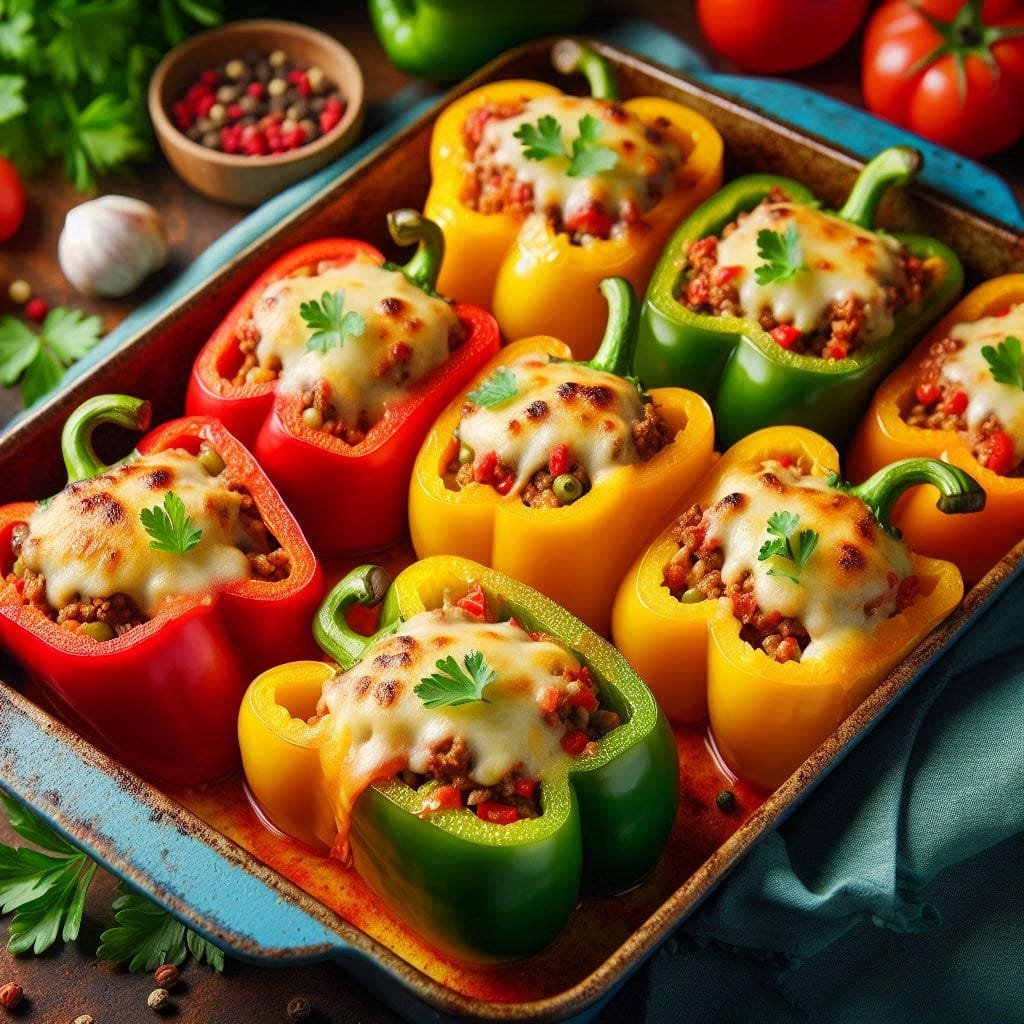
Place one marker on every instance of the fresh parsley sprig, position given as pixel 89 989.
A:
pixel 500 387
pixel 544 140
pixel 329 322
pixel 452 685
pixel 46 892
pixel 37 361
pixel 788 545
pixel 1004 362
pixel 171 527
pixel 782 253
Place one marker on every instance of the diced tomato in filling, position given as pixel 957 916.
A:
pixel 928 393
pixel 475 603
pixel 697 292
pixel 525 788
pixel 788 649
pixel 785 335
pixel 723 275
pixel 956 403
pixel 1004 311
pixel 574 743
pixel 744 605
pixel 784 460
pixel 558 459
pixel 442 798
pixel 504 485
pixel 547 700
pixel 496 814
pixel 591 220
pixel 997 453
pixel 484 466
pixel 907 593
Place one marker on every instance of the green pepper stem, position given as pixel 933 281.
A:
pixel 568 56
pixel 80 458
pixel 958 492
pixel 893 166
pixel 366 585
pixel 410 227
pixel 615 354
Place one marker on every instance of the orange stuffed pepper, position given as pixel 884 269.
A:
pixel 542 195
pixel 556 471
pixel 781 597
pixel 959 397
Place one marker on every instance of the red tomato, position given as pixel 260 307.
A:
pixel 948 70
pixel 768 36
pixel 12 200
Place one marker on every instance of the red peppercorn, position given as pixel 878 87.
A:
pixel 11 995
pixel 36 309
pixel 257 90
pixel 328 119
pixel 235 112
pixel 204 104
pixel 210 77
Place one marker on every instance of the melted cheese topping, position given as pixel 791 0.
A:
pixel 589 410
pixel 843 261
pixel 89 541
pixel 854 565
pixel 642 174
pixel 380 726
pixel 968 368
pixel 359 372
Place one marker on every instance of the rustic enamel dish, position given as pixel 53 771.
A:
pixel 208 858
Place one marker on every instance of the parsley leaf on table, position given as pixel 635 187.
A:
pixel 1004 361
pixel 38 361
pixel 452 685
pixel 171 527
pixel 498 388
pixel 146 936
pixel 330 326
pixel 787 544
pixel 782 253
pixel 544 140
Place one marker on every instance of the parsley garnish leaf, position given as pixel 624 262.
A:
pixel 171 527
pixel 146 936
pixel 452 685
pixel 782 253
pixel 787 544
pixel 329 323
pixel 544 140
pixel 498 388
pixel 1004 361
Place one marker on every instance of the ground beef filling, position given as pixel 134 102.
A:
pixel 940 404
pixel 318 410
pixel 707 289
pixel 650 435
pixel 267 561
pixel 575 709
pixel 696 575
pixel 493 188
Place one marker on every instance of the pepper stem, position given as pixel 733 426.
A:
pixel 80 458
pixel 615 354
pixel 366 585
pixel 410 227
pixel 958 492
pixel 568 56
pixel 893 166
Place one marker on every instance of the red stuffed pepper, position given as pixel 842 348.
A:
pixel 332 368
pixel 145 595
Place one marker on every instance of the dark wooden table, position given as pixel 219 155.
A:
pixel 69 982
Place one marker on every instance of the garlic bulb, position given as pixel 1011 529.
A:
pixel 111 244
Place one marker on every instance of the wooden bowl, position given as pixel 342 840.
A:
pixel 249 180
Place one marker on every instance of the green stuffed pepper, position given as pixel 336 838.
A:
pixel 482 758
pixel 778 312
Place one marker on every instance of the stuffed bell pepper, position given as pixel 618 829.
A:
pixel 332 367
pixel 781 596
pixel 556 471
pixel 780 312
pixel 482 758
pixel 145 595
pixel 541 195
pixel 959 397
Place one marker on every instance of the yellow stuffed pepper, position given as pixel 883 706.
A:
pixel 542 195
pixel 781 597
pixel 959 397
pixel 556 471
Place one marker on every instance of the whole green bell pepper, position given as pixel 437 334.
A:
pixel 749 379
pixel 448 39
pixel 480 891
